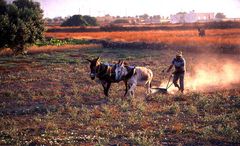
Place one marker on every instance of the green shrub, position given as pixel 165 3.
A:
pixel 79 20
pixel 21 24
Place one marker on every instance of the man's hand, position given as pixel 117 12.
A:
pixel 168 70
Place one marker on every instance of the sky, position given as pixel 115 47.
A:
pixel 63 8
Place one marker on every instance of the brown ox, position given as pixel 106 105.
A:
pixel 106 74
pixel 139 76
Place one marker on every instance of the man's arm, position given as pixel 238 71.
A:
pixel 170 67
pixel 184 64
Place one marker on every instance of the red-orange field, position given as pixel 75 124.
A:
pixel 177 37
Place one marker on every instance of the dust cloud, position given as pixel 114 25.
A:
pixel 213 76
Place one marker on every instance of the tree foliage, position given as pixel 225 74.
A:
pixel 120 21
pixel 220 16
pixel 21 24
pixel 79 20
pixel 2 6
pixel 4 22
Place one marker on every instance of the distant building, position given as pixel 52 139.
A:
pixel 138 20
pixel 191 17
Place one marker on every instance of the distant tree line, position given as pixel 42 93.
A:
pixel 79 20
pixel 120 21
pixel 21 24
pixel 220 16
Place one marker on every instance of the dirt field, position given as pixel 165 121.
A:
pixel 49 98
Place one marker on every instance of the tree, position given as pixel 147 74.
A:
pixel 220 16
pixel 21 24
pixel 3 7
pixel 120 21
pixel 144 16
pixel 79 20
pixel 90 20
pixel 157 17
pixel 75 20
pixel 4 23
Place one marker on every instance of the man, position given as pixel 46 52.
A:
pixel 180 69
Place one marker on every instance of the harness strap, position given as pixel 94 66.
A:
pixel 108 71
pixel 131 71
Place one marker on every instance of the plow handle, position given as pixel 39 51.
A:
pixel 168 86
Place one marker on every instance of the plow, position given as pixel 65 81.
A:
pixel 162 89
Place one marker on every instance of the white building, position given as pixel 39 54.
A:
pixel 191 17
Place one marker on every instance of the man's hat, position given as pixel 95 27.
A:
pixel 179 53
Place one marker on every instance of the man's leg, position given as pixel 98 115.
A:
pixel 181 82
pixel 175 80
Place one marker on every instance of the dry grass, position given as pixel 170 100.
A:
pixel 45 49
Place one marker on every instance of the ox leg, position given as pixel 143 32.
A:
pixel 126 88
pixel 106 87
pixel 148 88
pixel 132 88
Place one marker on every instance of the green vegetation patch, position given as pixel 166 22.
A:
pixel 58 42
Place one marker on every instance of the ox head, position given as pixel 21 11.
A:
pixel 120 70
pixel 94 64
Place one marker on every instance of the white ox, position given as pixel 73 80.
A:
pixel 139 76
